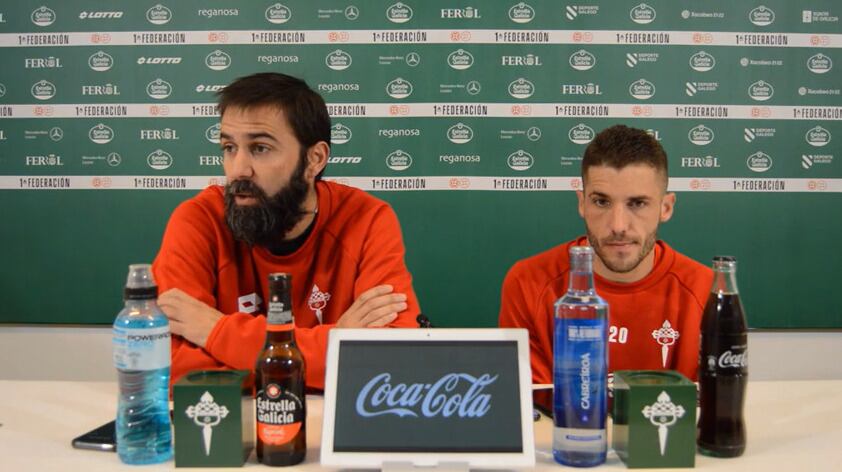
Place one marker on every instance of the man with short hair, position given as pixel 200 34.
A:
pixel 655 295
pixel 343 247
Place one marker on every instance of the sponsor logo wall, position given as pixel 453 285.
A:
pixel 430 95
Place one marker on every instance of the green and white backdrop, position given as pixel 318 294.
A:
pixel 469 117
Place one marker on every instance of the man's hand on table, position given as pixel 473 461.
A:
pixel 374 308
pixel 189 317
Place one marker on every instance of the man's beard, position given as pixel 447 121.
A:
pixel 621 266
pixel 271 218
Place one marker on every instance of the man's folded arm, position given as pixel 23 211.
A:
pixel 382 263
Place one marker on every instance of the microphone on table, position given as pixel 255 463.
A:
pixel 423 321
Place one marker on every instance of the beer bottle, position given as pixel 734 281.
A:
pixel 279 383
pixel 723 366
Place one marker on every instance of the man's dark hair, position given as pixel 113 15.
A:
pixel 620 146
pixel 304 109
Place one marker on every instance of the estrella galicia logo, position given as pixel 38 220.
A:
pixel 761 91
pixel 338 60
pixel 581 134
pixel 819 63
pixel 2 90
pixel 642 89
pixel 100 61
pixel 461 395
pixel 642 14
pixel 521 13
pixel 101 134
pixel 520 160
pixel 759 162
pixel 398 160
pixel 762 16
pixel 218 60
pixel 460 133
pixel 460 59
pixel 159 89
pixel 212 133
pixel 159 15
pixel 582 60
pixel 278 14
pixel 817 137
pixel 43 16
pixel 399 13
pixel 521 88
pixel 340 134
pixel 43 90
pixel 159 159
pixel 399 88
pixel 700 135
pixel 702 62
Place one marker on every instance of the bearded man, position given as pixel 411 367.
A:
pixel 655 295
pixel 343 247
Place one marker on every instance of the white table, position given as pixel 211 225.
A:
pixel 792 426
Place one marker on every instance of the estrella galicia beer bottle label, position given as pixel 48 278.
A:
pixel 280 415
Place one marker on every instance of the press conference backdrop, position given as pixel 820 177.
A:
pixel 469 117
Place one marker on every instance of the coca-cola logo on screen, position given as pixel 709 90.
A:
pixel 454 394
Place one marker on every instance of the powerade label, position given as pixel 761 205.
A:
pixel 579 371
pixel 142 349
pixel 280 415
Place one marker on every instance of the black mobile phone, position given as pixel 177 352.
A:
pixel 542 400
pixel 102 438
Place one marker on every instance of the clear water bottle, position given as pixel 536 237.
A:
pixel 580 368
pixel 142 358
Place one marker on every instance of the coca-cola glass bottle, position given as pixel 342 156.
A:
pixel 723 366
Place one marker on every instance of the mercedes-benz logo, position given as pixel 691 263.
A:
pixel 413 59
pixel 352 12
pixel 56 134
pixel 114 159
pixel 473 87
pixel 533 133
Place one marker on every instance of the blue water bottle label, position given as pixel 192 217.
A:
pixel 142 349
pixel 580 370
